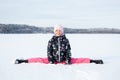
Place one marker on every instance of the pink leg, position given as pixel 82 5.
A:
pixel 80 60
pixel 38 60
pixel 45 60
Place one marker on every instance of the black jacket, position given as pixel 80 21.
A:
pixel 58 49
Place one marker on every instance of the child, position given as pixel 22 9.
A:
pixel 58 49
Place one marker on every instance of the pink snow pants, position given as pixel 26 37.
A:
pixel 45 60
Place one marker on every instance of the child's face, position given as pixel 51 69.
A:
pixel 58 32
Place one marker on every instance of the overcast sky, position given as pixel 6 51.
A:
pixel 69 13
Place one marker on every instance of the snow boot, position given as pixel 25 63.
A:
pixel 19 61
pixel 96 61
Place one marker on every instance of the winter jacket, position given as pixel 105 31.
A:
pixel 58 49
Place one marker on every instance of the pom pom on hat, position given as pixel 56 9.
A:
pixel 58 27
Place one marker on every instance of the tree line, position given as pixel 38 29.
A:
pixel 26 29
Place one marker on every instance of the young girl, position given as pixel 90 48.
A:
pixel 58 51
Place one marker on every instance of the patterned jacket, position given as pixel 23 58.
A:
pixel 59 50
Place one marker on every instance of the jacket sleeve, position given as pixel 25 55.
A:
pixel 68 52
pixel 49 51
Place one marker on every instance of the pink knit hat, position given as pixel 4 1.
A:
pixel 58 27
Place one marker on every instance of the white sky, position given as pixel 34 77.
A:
pixel 69 13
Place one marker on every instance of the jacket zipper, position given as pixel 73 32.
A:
pixel 59 49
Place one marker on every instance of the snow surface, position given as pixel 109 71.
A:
pixel 94 46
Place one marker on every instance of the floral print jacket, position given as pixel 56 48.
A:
pixel 59 50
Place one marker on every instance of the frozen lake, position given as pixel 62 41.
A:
pixel 95 46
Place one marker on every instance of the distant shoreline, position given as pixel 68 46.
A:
pixel 26 29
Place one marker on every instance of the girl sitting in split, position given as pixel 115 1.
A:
pixel 58 51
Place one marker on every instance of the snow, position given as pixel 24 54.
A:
pixel 94 46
